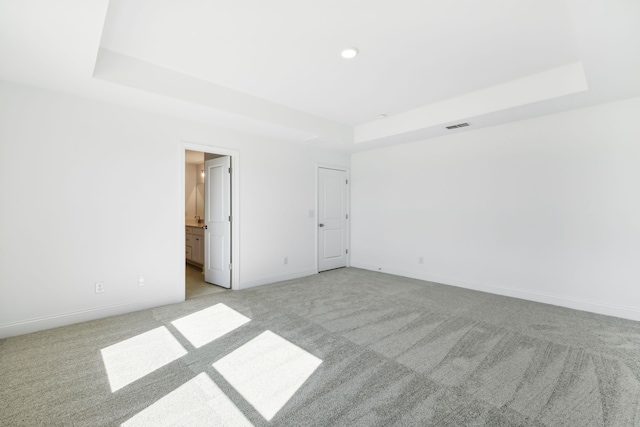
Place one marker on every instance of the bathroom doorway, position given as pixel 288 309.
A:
pixel 207 249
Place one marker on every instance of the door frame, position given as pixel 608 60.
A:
pixel 235 208
pixel 317 212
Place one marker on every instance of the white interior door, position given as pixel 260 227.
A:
pixel 217 213
pixel 332 219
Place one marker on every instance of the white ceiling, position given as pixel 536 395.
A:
pixel 412 52
pixel 274 67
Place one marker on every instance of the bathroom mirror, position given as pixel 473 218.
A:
pixel 200 200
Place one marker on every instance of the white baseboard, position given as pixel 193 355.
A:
pixel 64 319
pixel 574 303
pixel 265 280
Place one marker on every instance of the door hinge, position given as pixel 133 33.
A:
pixel 347 251
pixel 347 216
pixel 347 181
pixel 229 170
pixel 229 218
pixel 230 265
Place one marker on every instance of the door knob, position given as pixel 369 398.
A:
pixel 205 227
pixel 321 225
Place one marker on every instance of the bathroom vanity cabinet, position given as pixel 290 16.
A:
pixel 194 245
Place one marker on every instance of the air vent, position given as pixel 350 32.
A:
pixel 459 125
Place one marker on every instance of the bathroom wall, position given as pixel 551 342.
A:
pixel 190 191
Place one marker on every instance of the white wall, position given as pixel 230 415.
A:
pixel 92 192
pixel 546 209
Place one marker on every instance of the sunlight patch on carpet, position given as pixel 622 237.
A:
pixel 132 359
pixel 267 371
pixel 198 402
pixel 206 325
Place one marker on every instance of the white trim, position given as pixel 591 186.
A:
pixel 334 167
pixel 315 222
pixel 235 207
pixel 573 303
pixel 266 280
pixel 73 317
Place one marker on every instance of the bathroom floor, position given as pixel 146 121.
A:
pixel 195 284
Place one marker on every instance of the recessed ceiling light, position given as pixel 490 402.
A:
pixel 382 116
pixel 349 52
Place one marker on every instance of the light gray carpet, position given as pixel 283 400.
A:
pixel 394 351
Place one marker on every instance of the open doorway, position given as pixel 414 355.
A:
pixel 209 239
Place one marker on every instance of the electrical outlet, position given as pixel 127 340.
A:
pixel 141 281
pixel 421 260
pixel 99 287
pixel 286 260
